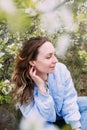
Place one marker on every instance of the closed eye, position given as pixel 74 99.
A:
pixel 48 57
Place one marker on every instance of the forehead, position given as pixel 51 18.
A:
pixel 47 47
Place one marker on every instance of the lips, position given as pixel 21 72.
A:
pixel 52 67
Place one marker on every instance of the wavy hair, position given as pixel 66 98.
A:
pixel 24 85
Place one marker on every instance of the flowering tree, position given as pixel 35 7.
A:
pixel 63 21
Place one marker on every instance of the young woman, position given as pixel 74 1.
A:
pixel 44 85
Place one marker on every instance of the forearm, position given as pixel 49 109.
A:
pixel 45 106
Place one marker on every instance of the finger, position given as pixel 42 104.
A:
pixel 31 71
pixel 34 71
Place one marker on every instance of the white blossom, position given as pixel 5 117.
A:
pixel 1 54
pixel 66 18
pixel 1 65
pixel 85 4
pixel 8 6
pixel 35 122
pixel 62 45
pixel 47 5
pixel 30 11
pixel 50 22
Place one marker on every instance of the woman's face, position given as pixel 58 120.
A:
pixel 46 60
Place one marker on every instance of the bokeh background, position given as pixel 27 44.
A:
pixel 64 22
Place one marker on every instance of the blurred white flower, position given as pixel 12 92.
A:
pixel 1 65
pixel 85 4
pixel 34 0
pixel 30 11
pixel 31 122
pixel 66 18
pixel 1 54
pixel 47 5
pixel 7 87
pixel 62 45
pixel 71 1
pixel 35 122
pixel 11 45
pixel 50 22
pixel 8 6
pixel 7 81
pixel 53 21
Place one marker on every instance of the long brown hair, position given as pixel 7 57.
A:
pixel 24 85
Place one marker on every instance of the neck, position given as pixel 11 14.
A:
pixel 43 76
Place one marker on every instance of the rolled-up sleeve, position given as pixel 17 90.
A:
pixel 43 104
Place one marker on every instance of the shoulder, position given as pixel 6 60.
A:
pixel 60 67
pixel 61 71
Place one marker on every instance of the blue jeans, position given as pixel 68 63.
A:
pixel 82 103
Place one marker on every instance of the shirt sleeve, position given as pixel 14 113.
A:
pixel 70 110
pixel 43 104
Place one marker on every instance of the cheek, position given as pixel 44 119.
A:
pixel 43 63
pixel 42 66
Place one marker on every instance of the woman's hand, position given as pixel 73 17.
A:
pixel 78 129
pixel 38 80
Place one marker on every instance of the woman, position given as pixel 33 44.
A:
pixel 44 85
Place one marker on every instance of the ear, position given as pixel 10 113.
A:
pixel 31 63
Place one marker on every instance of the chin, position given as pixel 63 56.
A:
pixel 51 71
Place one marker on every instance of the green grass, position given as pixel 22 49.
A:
pixel 66 127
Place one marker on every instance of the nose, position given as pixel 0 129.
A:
pixel 55 60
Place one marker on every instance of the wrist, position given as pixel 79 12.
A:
pixel 43 88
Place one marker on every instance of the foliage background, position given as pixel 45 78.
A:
pixel 20 20
pixel 25 23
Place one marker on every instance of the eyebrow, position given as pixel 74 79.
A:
pixel 49 53
pixel 54 52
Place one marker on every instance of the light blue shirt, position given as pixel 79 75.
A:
pixel 61 99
